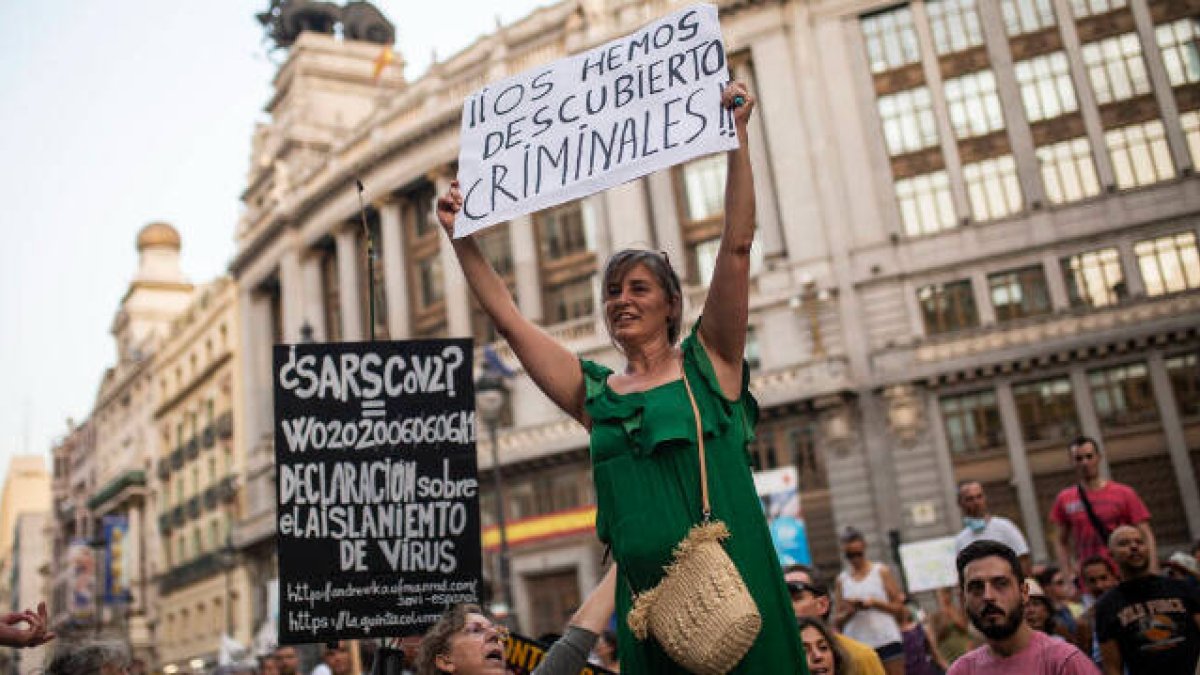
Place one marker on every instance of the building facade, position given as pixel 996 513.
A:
pixel 977 236
pixel 73 566
pixel 203 589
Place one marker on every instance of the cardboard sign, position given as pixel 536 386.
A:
pixel 522 655
pixel 378 521
pixel 929 564
pixel 592 121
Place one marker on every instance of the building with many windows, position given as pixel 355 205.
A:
pixel 71 602
pixel 204 589
pixel 977 236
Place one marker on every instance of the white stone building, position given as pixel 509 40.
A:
pixel 978 228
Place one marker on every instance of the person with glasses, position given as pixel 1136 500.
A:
pixel 465 641
pixel 870 603
pixel 811 600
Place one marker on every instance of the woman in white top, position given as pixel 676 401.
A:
pixel 870 603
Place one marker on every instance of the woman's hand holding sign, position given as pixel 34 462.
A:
pixel 737 98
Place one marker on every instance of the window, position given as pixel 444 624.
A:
pixel 562 232
pixel 331 295
pixel 1046 88
pixel 973 104
pixel 993 188
pixel 1082 8
pixel 496 245
pixel 430 288
pixel 908 121
pixel 972 422
pixel 891 39
pixel 568 301
pixel 1180 51
pixel 955 25
pixel 422 254
pixel 375 266
pixel 1140 155
pixel 1115 68
pixel 925 203
pixel 1190 121
pixel 1026 16
pixel 1068 171
pixel 1169 264
pixel 1019 293
pixel 1184 372
pixel 948 307
pixel 1122 395
pixel 1046 409
pixel 1094 278
pixel 703 183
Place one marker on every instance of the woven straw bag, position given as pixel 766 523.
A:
pixel 701 613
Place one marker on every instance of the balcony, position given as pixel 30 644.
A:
pixel 177 458
pixel 211 498
pixel 193 448
pixel 192 571
pixel 127 480
pixel 225 425
pixel 193 507
pixel 164 469
pixel 228 488
pixel 209 438
pixel 177 516
pixel 164 522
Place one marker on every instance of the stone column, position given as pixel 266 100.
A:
pixel 937 429
pixel 458 301
pixel 770 234
pixel 1021 476
pixel 1019 135
pixel 799 209
pixel 1089 422
pixel 628 219
pixel 348 274
pixel 524 245
pixel 255 326
pixel 1135 286
pixel 1056 282
pixel 314 295
pixel 1084 94
pixel 665 214
pixel 394 265
pixel 1181 462
pixel 291 292
pixel 1163 93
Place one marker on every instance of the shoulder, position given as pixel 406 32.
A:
pixel 859 653
pixel 965 664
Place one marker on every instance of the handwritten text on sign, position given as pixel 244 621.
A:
pixel 378 519
pixel 583 124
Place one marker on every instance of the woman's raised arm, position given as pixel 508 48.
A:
pixel 726 310
pixel 552 367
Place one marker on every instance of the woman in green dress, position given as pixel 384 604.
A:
pixel 643 439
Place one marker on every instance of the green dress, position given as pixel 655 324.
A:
pixel 647 474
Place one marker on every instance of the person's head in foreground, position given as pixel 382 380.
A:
pixel 97 657
pixel 824 655
pixel 643 300
pixel 465 642
pixel 994 594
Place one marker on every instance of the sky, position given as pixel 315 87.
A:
pixel 115 115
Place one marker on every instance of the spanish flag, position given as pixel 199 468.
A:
pixel 382 61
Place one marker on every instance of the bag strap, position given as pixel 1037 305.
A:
pixel 707 512
pixel 1091 513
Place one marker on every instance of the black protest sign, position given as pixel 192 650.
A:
pixel 378 522
pixel 588 122
pixel 522 655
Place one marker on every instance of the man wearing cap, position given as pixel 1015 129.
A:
pixel 810 597
pixel 1148 623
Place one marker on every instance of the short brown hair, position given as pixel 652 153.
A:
pixel 625 260
pixel 437 639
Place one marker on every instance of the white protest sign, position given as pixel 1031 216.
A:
pixel 586 123
pixel 929 564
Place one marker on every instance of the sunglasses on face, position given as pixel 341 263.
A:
pixel 798 588
pixel 854 555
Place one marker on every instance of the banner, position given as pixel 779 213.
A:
pixel 378 520
pixel 592 121
pixel 81 562
pixel 929 564
pixel 522 655
pixel 779 491
pixel 118 559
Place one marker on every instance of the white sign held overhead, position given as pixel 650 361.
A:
pixel 929 564
pixel 583 124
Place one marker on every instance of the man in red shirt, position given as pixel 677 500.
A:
pixel 1087 513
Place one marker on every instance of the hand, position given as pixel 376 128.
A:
pixel 448 206
pixel 729 99
pixel 32 636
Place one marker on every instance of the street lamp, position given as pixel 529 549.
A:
pixel 490 398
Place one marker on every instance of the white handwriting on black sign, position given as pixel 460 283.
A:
pixel 370 375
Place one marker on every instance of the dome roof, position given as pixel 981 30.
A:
pixel 157 235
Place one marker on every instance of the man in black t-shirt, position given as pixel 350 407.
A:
pixel 1147 624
